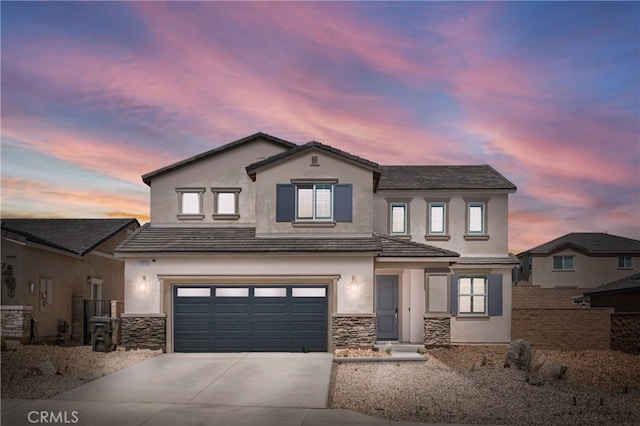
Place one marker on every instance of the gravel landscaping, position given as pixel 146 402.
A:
pixel 468 384
pixel 29 372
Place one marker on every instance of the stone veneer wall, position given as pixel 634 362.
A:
pixel 353 330
pixel 625 332
pixel 437 330
pixel 16 322
pixel 143 331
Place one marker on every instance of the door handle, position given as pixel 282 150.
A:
pixel 396 314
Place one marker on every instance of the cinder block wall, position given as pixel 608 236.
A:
pixel 534 297
pixel 565 329
pixel 625 332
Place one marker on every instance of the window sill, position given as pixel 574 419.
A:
pixel 470 317
pixel 625 269
pixel 437 237
pixel 400 236
pixel 471 237
pixel 563 270
pixel 314 224
pixel 190 216
pixel 226 216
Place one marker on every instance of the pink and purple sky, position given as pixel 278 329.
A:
pixel 96 94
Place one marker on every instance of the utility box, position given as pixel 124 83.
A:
pixel 103 330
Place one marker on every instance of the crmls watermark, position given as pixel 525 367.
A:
pixel 53 417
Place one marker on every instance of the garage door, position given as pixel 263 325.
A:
pixel 219 318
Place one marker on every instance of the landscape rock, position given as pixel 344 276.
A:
pixel 518 355
pixel 11 345
pixel 552 370
pixel 49 367
pixel 23 373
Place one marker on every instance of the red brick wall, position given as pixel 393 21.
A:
pixel 565 329
pixel 534 297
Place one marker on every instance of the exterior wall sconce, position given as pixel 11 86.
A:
pixel 32 287
pixel 142 286
pixel 354 284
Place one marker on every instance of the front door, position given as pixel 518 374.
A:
pixel 387 306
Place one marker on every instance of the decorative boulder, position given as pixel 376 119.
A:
pixel 518 355
pixel 552 370
pixel 49 367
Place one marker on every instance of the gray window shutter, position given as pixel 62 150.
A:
pixel 453 296
pixel 495 296
pixel 285 202
pixel 343 202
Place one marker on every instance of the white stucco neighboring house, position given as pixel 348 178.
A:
pixel 265 245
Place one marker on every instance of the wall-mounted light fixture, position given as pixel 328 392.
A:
pixel 32 287
pixel 354 284
pixel 142 286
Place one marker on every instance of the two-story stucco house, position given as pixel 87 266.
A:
pixel 264 245
pixel 580 260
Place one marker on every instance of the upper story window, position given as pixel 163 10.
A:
pixel 398 216
pixel 190 203
pixel 314 202
pixel 476 220
pixel 563 263
pixel 437 219
pixel 625 262
pixel 322 203
pixel 226 203
pixel 398 224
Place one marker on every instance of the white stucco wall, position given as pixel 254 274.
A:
pixel 329 167
pixel 226 169
pixel 589 271
pixel 486 329
pixel 249 270
pixel 497 211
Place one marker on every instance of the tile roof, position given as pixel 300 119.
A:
pixel 631 282
pixel 590 243
pixel 153 239
pixel 506 260
pixel 442 177
pixel 146 178
pixel 396 247
pixel 77 236
pixel 251 169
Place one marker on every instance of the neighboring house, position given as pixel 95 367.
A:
pixel 580 260
pixel 264 245
pixel 621 295
pixel 47 262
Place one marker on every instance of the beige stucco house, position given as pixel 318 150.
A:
pixel 47 263
pixel 264 245
pixel 580 260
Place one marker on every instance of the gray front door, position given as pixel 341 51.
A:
pixel 387 306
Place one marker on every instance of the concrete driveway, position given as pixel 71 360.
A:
pixel 283 389
pixel 244 380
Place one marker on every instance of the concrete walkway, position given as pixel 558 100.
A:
pixel 199 389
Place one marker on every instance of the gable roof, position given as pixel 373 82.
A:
pixel 150 239
pixel 77 236
pixel 300 149
pixel 146 178
pixel 443 177
pixel 589 243
pixel 631 282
